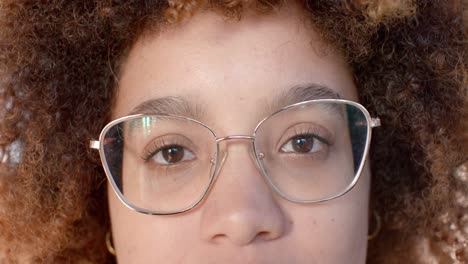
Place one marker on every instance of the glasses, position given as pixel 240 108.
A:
pixel 308 152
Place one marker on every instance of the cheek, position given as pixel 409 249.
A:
pixel 336 230
pixel 329 232
pixel 140 238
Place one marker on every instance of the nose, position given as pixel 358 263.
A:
pixel 240 208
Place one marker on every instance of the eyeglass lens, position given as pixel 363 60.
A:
pixel 306 152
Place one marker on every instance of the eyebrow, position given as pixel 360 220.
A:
pixel 181 106
pixel 174 105
pixel 301 93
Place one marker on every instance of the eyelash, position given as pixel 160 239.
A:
pixel 161 143
pixel 317 133
pixel 158 145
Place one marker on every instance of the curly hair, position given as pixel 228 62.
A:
pixel 59 64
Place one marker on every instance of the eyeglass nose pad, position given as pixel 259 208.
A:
pixel 222 158
pixel 254 157
pixel 223 153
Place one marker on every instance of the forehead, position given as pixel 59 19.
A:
pixel 225 65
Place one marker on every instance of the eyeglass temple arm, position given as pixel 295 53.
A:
pixel 94 144
pixel 375 122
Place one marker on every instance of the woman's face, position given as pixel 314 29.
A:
pixel 231 72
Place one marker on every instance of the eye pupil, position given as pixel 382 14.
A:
pixel 302 144
pixel 173 154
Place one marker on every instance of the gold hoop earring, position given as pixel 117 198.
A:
pixel 109 245
pixel 378 226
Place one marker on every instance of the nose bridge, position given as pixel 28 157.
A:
pixel 241 208
pixel 224 150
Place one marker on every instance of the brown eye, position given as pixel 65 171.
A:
pixel 303 144
pixel 172 155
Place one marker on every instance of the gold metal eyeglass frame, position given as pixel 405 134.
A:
pixel 99 145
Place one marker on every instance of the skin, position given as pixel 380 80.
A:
pixel 231 68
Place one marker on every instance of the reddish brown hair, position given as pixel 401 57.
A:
pixel 58 61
